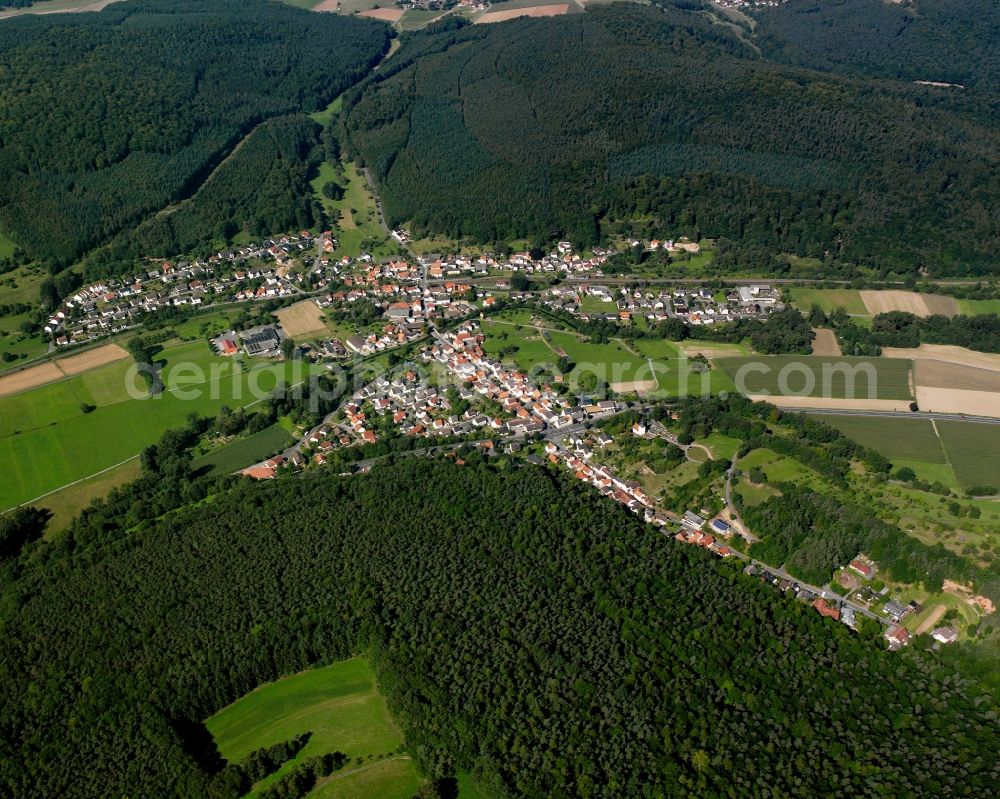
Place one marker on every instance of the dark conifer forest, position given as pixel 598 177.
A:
pixel 543 128
pixel 520 625
pixel 106 118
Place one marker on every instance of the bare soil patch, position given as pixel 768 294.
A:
pixel 829 403
pixel 826 342
pixel 931 620
pixel 91 359
pixel 948 353
pixel 530 11
pixel 51 371
pixel 956 400
pixel 301 319
pixel 637 386
pixel 29 378
pixel 711 350
pixel 328 5
pixel 910 301
pixel 939 374
pixel 390 15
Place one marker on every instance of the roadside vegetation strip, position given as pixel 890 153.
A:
pixel 792 376
pixel 340 706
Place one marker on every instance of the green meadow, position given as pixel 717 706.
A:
pixel 973 450
pixel 677 375
pixel 244 451
pixel 897 439
pixel 7 246
pixel 342 709
pixel 829 300
pixel 47 441
pixel 815 376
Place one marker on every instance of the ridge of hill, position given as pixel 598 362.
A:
pixel 640 119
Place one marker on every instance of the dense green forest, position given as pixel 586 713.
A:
pixel 933 40
pixel 521 627
pixel 107 117
pixel 263 187
pixel 541 128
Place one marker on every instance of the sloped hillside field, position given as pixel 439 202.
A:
pixel 544 127
pixel 107 117
pixel 520 627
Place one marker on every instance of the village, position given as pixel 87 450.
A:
pixel 458 395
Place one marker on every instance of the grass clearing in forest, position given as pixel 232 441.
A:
pixel 340 705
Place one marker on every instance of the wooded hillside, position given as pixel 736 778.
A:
pixel 107 117
pixel 553 127
pixel 520 625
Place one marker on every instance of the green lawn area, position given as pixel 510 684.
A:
pixel 677 374
pixel 531 349
pixel 830 377
pixel 341 707
pixel 324 116
pixel 416 18
pixel 723 447
pixel 46 441
pixel 7 246
pixel 781 469
pixel 829 300
pixel 976 307
pixel 974 452
pixel 754 495
pixel 591 304
pixel 359 228
pixel 391 779
pixel 67 503
pixel 21 284
pixel 245 451
pixel 902 439
pixel 206 326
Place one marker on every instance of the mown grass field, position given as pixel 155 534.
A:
pixel 825 376
pixel 47 441
pixel 245 451
pixel 723 447
pixel 359 227
pixel 977 307
pixel 531 348
pixel 974 452
pixel 67 503
pixel 341 707
pixel 829 300
pixel 678 375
